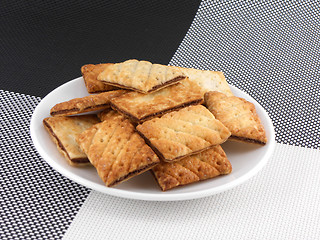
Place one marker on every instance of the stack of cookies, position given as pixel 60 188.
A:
pixel 166 119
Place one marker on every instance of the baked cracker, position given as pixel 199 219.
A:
pixel 140 76
pixel 116 150
pixel 105 114
pixel 208 80
pixel 182 133
pixel 64 131
pixel 205 165
pixel 140 107
pixel 238 115
pixel 90 73
pixel 85 104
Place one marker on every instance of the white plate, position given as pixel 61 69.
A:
pixel 246 159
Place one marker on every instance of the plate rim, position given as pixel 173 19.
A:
pixel 151 196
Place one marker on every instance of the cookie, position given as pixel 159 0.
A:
pixel 238 115
pixel 116 150
pixel 140 76
pixel 208 80
pixel 205 165
pixel 182 133
pixel 140 107
pixel 65 130
pixel 90 73
pixel 85 104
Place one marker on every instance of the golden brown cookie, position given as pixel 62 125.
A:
pixel 182 133
pixel 64 131
pixel 140 76
pixel 85 104
pixel 103 115
pixel 116 150
pixel 238 115
pixel 140 107
pixel 205 165
pixel 90 73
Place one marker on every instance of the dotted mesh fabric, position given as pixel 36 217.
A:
pixel 269 50
pixel 46 42
pixel 280 203
pixel 36 202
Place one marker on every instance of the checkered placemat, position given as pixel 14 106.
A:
pixel 281 202
pixel 36 202
pixel 267 49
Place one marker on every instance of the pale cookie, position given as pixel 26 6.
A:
pixel 208 80
pixel 64 131
pixel 140 76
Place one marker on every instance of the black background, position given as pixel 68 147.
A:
pixel 44 43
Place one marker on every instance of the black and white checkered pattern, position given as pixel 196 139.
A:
pixel 268 49
pixel 271 50
pixel 36 202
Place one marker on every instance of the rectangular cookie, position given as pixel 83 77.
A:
pixel 116 150
pixel 90 73
pixel 140 107
pixel 205 165
pixel 182 133
pixel 208 80
pixel 238 115
pixel 85 104
pixel 140 76
pixel 64 131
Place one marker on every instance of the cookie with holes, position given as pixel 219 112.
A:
pixel 85 104
pixel 90 73
pixel 116 150
pixel 140 76
pixel 140 107
pixel 65 130
pixel 182 133
pixel 238 115
pixel 205 165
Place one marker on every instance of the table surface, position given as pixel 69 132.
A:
pixel 269 50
